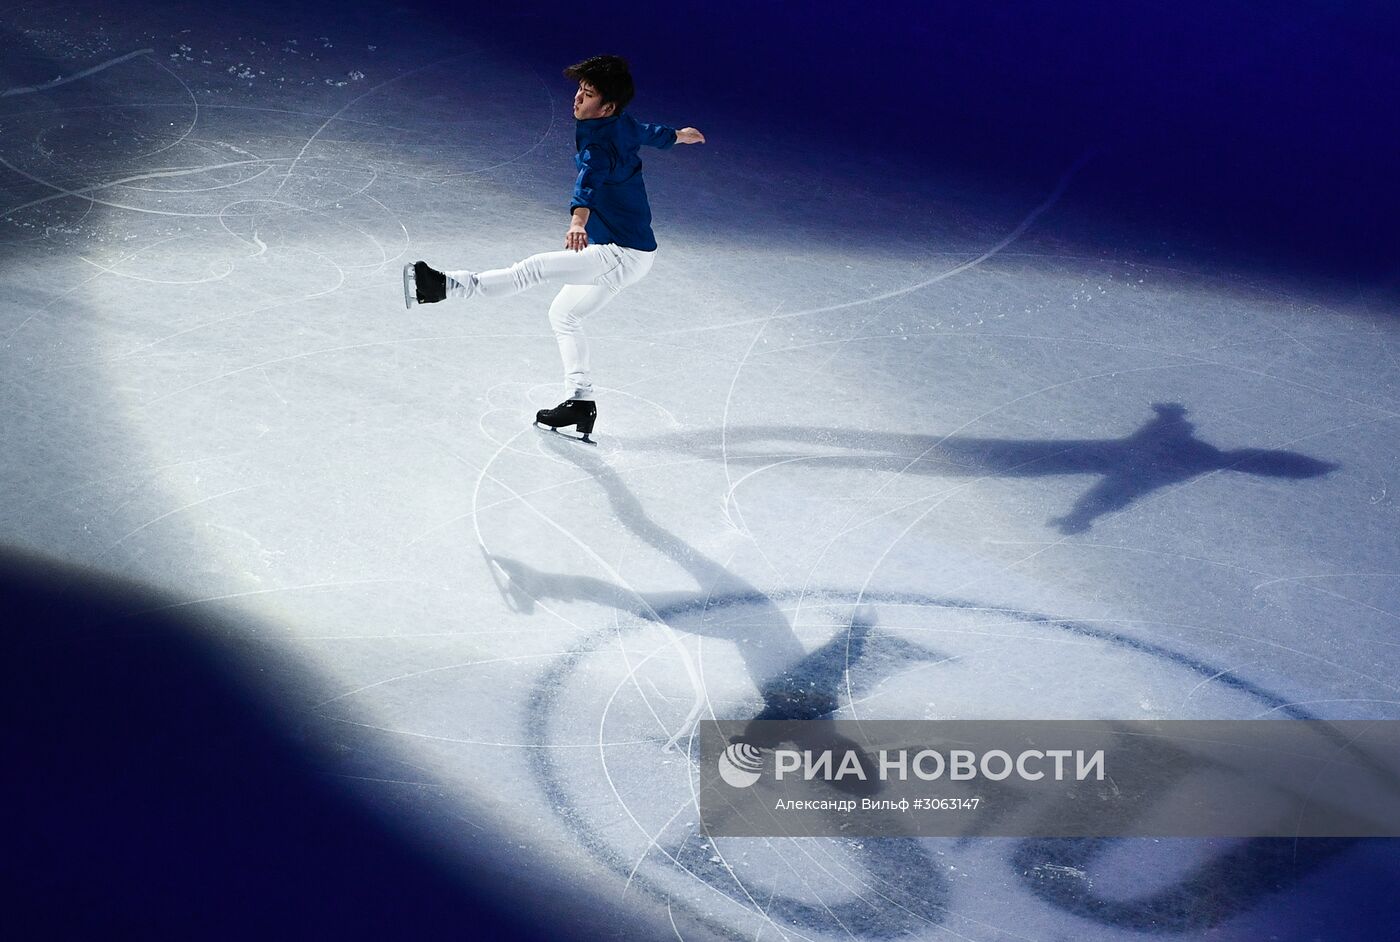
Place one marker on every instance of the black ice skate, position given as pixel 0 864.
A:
pixel 580 413
pixel 423 284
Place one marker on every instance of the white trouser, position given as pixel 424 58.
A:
pixel 590 279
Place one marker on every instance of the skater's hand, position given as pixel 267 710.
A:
pixel 689 136
pixel 577 238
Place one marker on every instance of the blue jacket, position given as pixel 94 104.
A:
pixel 610 178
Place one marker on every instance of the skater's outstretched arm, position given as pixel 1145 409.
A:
pixel 662 136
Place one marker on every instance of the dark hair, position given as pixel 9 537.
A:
pixel 609 75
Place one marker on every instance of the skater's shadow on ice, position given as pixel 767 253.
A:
pixel 794 684
pixel 1163 452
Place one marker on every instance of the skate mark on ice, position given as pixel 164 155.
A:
pixel 156 281
pixel 512 659
pixel 194 116
pixel 300 356
pixel 1180 707
pixel 544 136
pixel 64 80
pixel 398 221
pixel 430 737
pixel 272 306
pixel 278 590
pixel 1303 703
pixel 199 189
pixel 1011 237
pixel 1337 595
pixel 173 172
pixel 724 438
pixel 61 296
pixel 137 477
pixel 543 489
pixel 209 106
pixel 291 169
pixel 170 513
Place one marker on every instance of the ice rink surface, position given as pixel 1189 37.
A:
pixel 912 446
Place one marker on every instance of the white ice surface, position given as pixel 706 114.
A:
pixel 833 390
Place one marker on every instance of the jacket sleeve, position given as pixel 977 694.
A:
pixel 656 135
pixel 594 164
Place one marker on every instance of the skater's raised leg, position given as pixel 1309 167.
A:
pixel 597 264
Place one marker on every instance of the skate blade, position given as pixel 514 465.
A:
pixel 581 439
pixel 410 287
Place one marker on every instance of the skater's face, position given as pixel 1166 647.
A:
pixel 589 104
